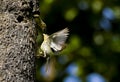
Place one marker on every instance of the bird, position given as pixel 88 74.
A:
pixel 39 21
pixel 54 42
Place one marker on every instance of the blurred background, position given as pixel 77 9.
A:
pixel 93 47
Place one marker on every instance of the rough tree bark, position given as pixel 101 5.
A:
pixel 17 40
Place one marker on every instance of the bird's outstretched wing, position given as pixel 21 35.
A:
pixel 58 39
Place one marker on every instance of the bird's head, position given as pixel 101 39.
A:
pixel 45 36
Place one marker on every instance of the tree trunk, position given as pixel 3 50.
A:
pixel 17 40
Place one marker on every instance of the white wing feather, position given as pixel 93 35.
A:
pixel 58 39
